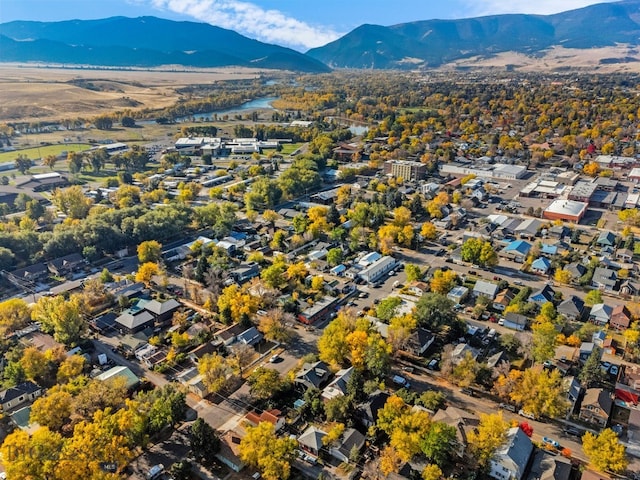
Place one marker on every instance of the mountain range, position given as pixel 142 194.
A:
pixel 151 41
pixel 143 42
pixel 431 43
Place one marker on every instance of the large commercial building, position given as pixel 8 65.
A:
pixel 378 269
pixel 499 171
pixel 566 210
pixel 405 169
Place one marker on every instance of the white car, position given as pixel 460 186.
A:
pixel 274 358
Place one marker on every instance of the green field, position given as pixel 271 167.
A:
pixel 289 148
pixel 43 151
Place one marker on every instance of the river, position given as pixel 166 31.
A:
pixel 257 104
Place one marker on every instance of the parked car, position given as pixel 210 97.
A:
pixel 613 370
pixel 433 364
pixel 469 391
pixel 551 441
pixel 576 432
pixel 501 321
pixel 401 381
pixel 525 414
pixel 507 406
pixel 274 358
pixel 363 295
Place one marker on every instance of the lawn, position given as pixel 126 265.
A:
pixel 35 153
pixel 289 148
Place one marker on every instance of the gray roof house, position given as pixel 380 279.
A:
pixel 572 308
pixel 596 406
pixel 338 387
pixel 542 296
pixel 576 270
pixel 251 336
pixel 515 321
pixel 14 397
pixel 600 314
pixel 311 440
pixel 485 288
pixel 313 375
pixel 606 239
pixel 133 322
pixel 162 310
pixel 419 342
pixel 511 459
pixel 604 279
pixel 351 439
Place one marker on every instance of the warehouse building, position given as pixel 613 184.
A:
pixel 566 210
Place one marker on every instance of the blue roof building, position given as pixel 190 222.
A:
pixel 542 296
pixel 516 250
pixel 541 266
pixel 548 249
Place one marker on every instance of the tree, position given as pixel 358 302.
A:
pixel 216 372
pixel 414 273
pixel 146 272
pixel 103 122
pixel 264 382
pixel 127 121
pixel 387 308
pixel 591 372
pixel 437 444
pixel 593 298
pixel 488 437
pixel 563 276
pixel 34 363
pixel 478 251
pixel 428 231
pixel 400 329
pixel 71 201
pixel 335 256
pixel 434 310
pixel 591 169
pixel 541 393
pixel 53 410
pixel 61 317
pixel 34 210
pixel 32 456
pixel 544 341
pixel 333 347
pixel 605 452
pixel 261 448
pixel 14 314
pixel 149 251
pixel 22 163
pixel 432 472
pixel 390 461
pixel 443 281
pixel 70 368
pixel 275 325
pixel 204 441
pixel 237 302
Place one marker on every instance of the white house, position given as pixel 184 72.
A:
pixel 511 459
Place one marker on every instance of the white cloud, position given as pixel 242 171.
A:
pixel 272 26
pixel 541 7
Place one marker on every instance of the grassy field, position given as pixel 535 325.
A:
pixel 35 153
pixel 289 148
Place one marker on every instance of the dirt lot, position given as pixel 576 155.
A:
pixel 29 93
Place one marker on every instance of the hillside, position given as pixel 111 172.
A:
pixel 432 43
pixel 143 42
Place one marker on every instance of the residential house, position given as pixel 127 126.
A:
pixel 313 375
pixel 32 273
pixel 487 289
pixel 558 232
pixel 367 412
pixel 515 321
pixel 250 336
pixel 418 288
pixel 576 270
pixel 419 342
pixel 230 334
pixel 529 228
pixel 64 265
pixel 604 279
pixel 516 251
pixel 598 338
pixel 458 294
pixel 14 397
pixel 542 296
pixel 600 314
pixel 606 239
pixel 338 387
pixel 540 266
pixel 245 272
pixel 503 299
pixel 162 311
pixel 460 352
pixel 573 308
pixel 620 317
pixel 629 288
pixel 191 379
pixel 496 359
pixel 310 440
pixel 229 452
pixel 625 255
pixel 463 422
pixel 567 353
pixel 120 372
pixel 511 460
pixel 596 406
pixel 318 311
pixel 272 416
pixel 574 389
pixel 548 250
pixel 586 349
pixel 350 441
pixel 134 321
pixel 549 467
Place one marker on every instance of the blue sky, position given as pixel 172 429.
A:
pixel 300 24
